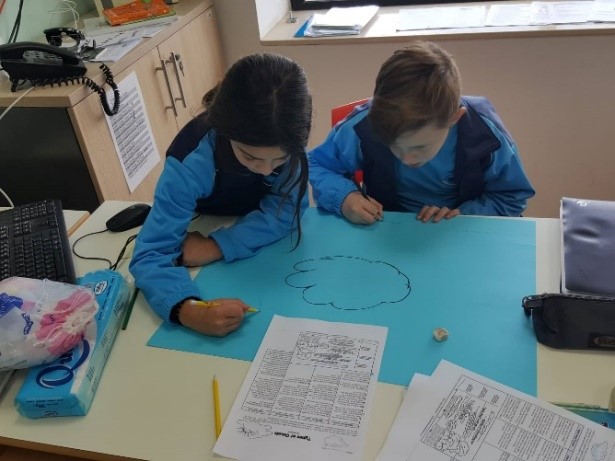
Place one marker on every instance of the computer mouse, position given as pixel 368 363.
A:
pixel 129 218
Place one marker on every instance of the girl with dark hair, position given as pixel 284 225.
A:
pixel 245 156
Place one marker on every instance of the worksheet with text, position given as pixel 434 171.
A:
pixel 308 392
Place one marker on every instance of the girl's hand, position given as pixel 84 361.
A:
pixel 360 210
pixel 198 250
pixel 219 320
pixel 435 213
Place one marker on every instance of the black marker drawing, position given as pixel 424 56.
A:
pixel 253 429
pixel 349 282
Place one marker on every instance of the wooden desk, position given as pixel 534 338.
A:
pixel 74 219
pixel 155 404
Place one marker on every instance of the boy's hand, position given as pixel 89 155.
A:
pixel 198 250
pixel 219 320
pixel 435 213
pixel 359 210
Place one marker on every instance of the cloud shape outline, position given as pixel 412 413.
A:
pixel 346 282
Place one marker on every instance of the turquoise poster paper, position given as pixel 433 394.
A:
pixel 467 275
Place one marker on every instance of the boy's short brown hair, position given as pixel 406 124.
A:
pixel 417 86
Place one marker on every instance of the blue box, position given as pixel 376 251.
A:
pixel 66 386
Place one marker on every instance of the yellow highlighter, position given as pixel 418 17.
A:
pixel 209 304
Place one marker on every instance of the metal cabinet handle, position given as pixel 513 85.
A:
pixel 179 66
pixel 163 68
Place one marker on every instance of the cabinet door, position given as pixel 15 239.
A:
pixel 96 141
pixel 194 60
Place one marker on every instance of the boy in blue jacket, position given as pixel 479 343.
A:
pixel 421 147
pixel 245 156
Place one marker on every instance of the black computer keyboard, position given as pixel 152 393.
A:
pixel 34 242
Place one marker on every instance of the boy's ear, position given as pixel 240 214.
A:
pixel 455 118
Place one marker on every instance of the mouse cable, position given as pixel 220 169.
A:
pixel 112 266
pixel 89 257
pixel 122 251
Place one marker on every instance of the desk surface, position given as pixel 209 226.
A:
pixel 156 404
pixel 74 219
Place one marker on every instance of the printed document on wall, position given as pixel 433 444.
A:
pixel 457 414
pixel 308 393
pixel 132 133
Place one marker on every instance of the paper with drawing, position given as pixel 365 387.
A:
pixel 459 415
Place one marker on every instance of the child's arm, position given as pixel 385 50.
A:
pixel 199 250
pixel 274 220
pixel 331 165
pixel 507 188
pixel 159 243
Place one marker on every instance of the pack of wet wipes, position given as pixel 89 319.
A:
pixel 66 386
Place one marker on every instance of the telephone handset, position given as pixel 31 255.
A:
pixel 32 61
pixel 43 64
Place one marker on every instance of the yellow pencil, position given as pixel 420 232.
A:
pixel 217 420
pixel 214 304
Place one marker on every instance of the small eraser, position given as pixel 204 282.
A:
pixel 440 334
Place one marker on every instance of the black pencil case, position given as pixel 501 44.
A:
pixel 572 321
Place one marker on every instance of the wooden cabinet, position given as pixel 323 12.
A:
pixel 174 71
pixel 194 64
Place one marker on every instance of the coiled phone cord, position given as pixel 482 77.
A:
pixel 40 82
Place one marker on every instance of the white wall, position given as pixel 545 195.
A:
pixel 556 95
pixel 37 16
pixel 269 13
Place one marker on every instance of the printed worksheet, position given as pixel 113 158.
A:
pixel 459 415
pixel 308 392
pixel 132 133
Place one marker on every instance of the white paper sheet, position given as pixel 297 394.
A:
pixel 355 17
pixel 457 414
pixel 115 51
pixel 132 133
pixel 308 393
pixel 508 15
pixel 441 17
pixel 603 11
pixel 572 12
pixel 94 27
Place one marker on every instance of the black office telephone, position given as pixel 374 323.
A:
pixel 43 64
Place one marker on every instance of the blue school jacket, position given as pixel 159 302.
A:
pixel 208 179
pixel 477 170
